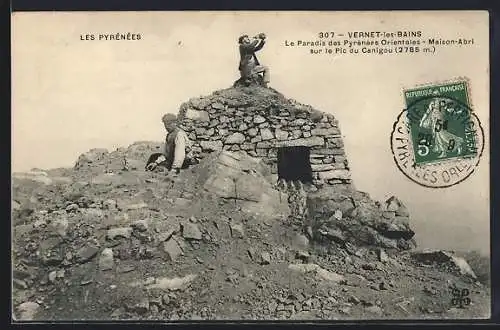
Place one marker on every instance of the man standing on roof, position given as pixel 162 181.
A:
pixel 249 64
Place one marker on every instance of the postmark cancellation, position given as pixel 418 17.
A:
pixel 437 141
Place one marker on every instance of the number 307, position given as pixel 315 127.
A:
pixel 326 34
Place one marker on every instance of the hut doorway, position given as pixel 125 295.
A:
pixel 294 164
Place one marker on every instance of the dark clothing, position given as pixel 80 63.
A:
pixel 248 60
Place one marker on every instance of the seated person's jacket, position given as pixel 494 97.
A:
pixel 177 148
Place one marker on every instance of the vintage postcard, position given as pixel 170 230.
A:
pixel 250 165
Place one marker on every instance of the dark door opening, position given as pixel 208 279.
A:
pixel 294 164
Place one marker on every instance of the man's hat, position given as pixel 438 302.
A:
pixel 168 118
pixel 240 39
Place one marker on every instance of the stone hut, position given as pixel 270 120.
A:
pixel 295 140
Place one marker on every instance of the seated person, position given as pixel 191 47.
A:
pixel 176 155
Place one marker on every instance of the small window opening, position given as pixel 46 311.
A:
pixel 294 164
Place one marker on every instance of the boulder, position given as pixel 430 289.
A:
pixel 134 157
pixel 122 232
pixel 173 284
pixel 28 310
pixel 217 106
pixel 463 266
pixel 326 201
pixel 91 157
pixel 190 231
pixel 60 225
pixel 375 310
pixel 393 204
pixel 299 242
pixel 430 256
pixel 136 301
pixel 239 177
pixel 86 253
pixel 237 230
pixel 140 225
pixel 265 258
pixel 334 235
pixel 345 215
pixel 446 259
pixel 396 228
pixel 106 260
pixel 172 250
pixel 142 149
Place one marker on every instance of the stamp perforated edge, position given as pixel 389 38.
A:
pixel 458 79
pixel 446 161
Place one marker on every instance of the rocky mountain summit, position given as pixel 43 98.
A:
pixel 224 239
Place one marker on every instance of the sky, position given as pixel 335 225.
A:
pixel 71 95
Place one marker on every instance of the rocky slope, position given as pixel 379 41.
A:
pixel 107 240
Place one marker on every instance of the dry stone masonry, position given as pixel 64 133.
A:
pixel 297 141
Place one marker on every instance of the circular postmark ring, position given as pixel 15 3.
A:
pixel 432 155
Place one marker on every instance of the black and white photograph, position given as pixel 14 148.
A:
pixel 237 165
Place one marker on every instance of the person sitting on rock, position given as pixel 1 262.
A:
pixel 249 64
pixel 176 155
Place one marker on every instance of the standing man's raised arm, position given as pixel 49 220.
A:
pixel 260 45
pixel 251 46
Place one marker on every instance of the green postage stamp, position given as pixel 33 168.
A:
pixel 437 140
